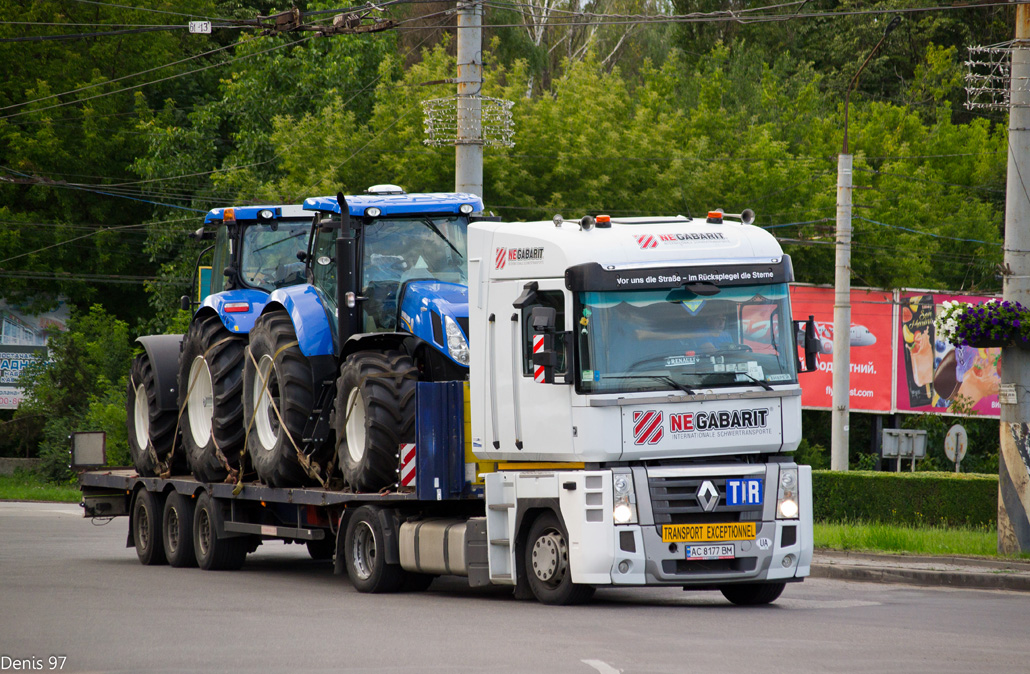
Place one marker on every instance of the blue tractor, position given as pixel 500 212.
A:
pixel 184 406
pixel 332 366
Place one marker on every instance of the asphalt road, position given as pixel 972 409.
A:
pixel 71 589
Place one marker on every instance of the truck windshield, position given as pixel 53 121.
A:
pixel 658 340
pixel 269 256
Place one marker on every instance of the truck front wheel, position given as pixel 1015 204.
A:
pixel 375 413
pixel 546 562
pixel 365 550
pixel 151 430
pixel 146 528
pixel 210 397
pixel 753 594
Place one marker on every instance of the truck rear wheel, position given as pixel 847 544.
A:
pixel 151 430
pixel 146 528
pixel 546 559
pixel 277 376
pixel 177 530
pixel 214 553
pixel 753 594
pixel 211 397
pixel 365 550
pixel 375 413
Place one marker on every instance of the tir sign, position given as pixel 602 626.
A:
pixel 744 492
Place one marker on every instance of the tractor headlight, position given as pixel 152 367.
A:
pixel 787 494
pixel 457 346
pixel 624 510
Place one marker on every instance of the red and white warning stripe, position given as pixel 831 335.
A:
pixel 647 427
pixel 646 241
pixel 538 346
pixel 408 465
pixel 500 257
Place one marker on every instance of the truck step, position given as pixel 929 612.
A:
pixel 501 541
pixel 501 506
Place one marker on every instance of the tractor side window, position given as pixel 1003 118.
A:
pixel 219 260
pixel 323 264
pixel 545 298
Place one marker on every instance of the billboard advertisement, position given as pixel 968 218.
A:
pixel 871 339
pixel 934 376
pixel 23 341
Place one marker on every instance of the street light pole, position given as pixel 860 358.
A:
pixel 842 287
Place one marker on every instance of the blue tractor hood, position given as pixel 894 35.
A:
pixel 426 309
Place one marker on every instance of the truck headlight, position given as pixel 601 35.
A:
pixel 625 501
pixel 787 494
pixel 456 344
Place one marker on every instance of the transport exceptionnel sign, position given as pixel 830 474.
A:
pixel 897 363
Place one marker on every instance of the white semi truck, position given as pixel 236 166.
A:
pixel 630 409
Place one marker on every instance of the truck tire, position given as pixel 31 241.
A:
pixel 211 397
pixel 375 412
pixel 753 594
pixel 177 530
pixel 146 528
pixel 276 360
pixel 365 552
pixel 214 553
pixel 151 431
pixel 546 557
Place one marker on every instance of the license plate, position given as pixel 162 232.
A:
pixel 708 533
pixel 719 551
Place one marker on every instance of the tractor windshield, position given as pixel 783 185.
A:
pixel 269 255
pixel 397 250
pixel 658 340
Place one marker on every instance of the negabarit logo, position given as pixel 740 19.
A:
pixel 647 427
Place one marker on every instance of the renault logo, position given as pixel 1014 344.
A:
pixel 707 496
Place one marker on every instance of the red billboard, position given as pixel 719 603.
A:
pixel 934 376
pixel 872 357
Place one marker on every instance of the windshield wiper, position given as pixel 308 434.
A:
pixel 436 230
pixel 745 374
pixel 664 378
pixel 279 241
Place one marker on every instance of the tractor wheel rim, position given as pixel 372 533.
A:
pixel 266 400
pixel 200 403
pixel 141 417
pixel 355 426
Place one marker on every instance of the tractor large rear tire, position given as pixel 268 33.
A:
pixel 211 398
pixel 277 375
pixel 375 413
pixel 151 430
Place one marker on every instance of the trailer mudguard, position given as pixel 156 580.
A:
pixel 425 306
pixel 309 316
pixel 163 352
pixel 238 309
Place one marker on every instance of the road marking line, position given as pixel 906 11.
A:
pixel 601 666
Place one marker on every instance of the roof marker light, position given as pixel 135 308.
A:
pixel 603 221
pixel 266 214
pixel 466 208
pixel 229 215
pixel 715 217
pixel 372 212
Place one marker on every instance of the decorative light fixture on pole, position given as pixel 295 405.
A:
pixel 842 287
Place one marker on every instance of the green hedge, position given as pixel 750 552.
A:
pixel 947 499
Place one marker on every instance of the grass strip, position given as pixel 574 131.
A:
pixel 926 540
pixel 30 487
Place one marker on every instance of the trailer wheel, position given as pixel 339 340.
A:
pixel 375 412
pixel 365 551
pixel 753 594
pixel 214 553
pixel 211 397
pixel 150 429
pixel 322 549
pixel 276 361
pixel 177 529
pixel 547 564
pixel 146 528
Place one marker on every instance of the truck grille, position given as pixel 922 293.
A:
pixel 674 501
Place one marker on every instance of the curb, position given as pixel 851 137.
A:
pixel 957 572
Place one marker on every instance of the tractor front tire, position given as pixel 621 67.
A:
pixel 151 430
pixel 375 413
pixel 211 398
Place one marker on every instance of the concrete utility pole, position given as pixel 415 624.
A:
pixel 468 150
pixel 841 414
pixel 1014 464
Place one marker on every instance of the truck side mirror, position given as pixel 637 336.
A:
pixel 544 357
pixel 808 343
